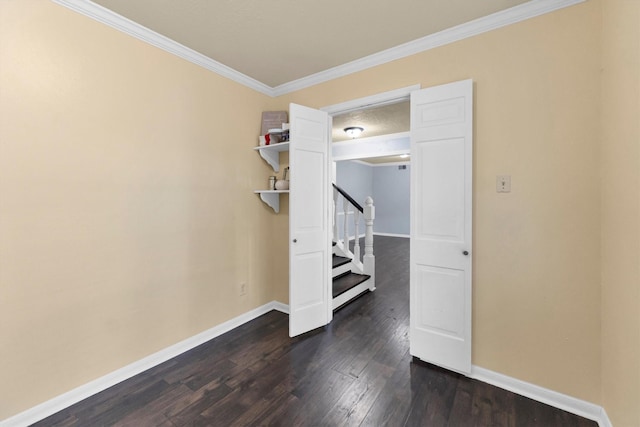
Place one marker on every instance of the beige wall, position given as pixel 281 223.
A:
pixel 621 212
pixel 127 219
pixel 536 306
pixel 125 227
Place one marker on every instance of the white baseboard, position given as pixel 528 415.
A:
pixel 281 307
pixel 604 419
pixel 69 398
pixel 391 235
pixel 558 400
pixel 50 407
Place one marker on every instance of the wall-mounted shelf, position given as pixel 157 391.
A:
pixel 271 198
pixel 271 153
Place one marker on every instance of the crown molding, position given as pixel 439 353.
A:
pixel 496 20
pixel 127 26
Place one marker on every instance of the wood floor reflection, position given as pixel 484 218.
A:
pixel 356 371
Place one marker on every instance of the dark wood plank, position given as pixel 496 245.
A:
pixel 355 403
pixel 188 407
pixel 479 404
pixel 344 282
pixel 432 390
pixel 337 261
pixel 355 371
pixel 391 408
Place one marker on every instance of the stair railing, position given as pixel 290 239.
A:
pixel 367 265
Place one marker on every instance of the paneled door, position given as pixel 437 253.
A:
pixel 441 187
pixel 309 220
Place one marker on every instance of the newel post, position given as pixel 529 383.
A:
pixel 369 260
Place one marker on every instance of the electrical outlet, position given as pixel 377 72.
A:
pixel 243 288
pixel 503 183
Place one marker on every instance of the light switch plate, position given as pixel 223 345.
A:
pixel 503 183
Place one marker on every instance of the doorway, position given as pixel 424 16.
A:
pixel 379 158
pixel 441 139
pixel 376 164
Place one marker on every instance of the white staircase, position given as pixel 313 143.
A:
pixel 352 275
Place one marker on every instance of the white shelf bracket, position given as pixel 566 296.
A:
pixel 271 157
pixel 271 199
pixel 271 153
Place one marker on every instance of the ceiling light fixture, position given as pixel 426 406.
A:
pixel 404 156
pixel 354 131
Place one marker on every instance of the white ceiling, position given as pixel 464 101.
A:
pixel 275 42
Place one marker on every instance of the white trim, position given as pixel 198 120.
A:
pixel 393 144
pixel 406 236
pixel 496 20
pixel 337 271
pixel 558 400
pixel 478 26
pixel 377 100
pixel 278 306
pixel 69 398
pixel 379 165
pixel 127 26
pixel 346 296
pixel 372 139
pixel 604 419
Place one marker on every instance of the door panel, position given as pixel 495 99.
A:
pixel 439 291
pixel 310 217
pixel 442 188
pixel 306 293
pixel 309 238
pixel 441 184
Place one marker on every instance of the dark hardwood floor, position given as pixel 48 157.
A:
pixel 357 371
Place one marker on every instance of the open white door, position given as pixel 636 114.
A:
pixel 441 186
pixel 309 220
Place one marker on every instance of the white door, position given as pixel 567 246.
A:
pixel 309 226
pixel 441 185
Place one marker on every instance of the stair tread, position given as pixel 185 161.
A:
pixel 340 260
pixel 344 282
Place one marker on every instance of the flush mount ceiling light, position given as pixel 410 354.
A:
pixel 354 131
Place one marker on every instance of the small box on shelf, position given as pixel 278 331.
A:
pixel 272 119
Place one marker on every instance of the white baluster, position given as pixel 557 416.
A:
pixel 369 260
pixel 335 214
pixel 345 236
pixel 356 232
